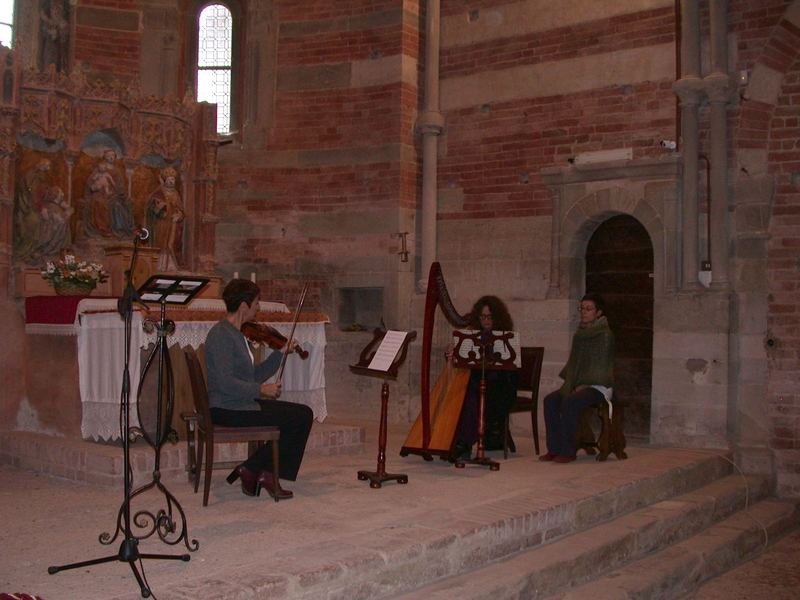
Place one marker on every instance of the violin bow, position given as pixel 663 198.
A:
pixel 291 333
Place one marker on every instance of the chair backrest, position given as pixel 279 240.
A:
pixel 199 391
pixel 531 370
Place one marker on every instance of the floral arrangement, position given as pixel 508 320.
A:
pixel 68 271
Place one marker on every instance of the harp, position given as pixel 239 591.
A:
pixel 434 430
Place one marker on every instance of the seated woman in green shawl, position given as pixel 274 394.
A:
pixel 588 379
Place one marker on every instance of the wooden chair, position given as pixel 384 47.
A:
pixel 529 374
pixel 198 424
pixel 612 438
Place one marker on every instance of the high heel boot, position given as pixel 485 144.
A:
pixel 249 485
pixel 273 487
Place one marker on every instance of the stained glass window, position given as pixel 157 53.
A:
pixel 6 22
pixel 214 52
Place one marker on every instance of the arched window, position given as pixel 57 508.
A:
pixel 6 23
pixel 215 61
pixel 215 58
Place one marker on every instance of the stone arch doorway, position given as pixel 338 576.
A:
pixel 619 266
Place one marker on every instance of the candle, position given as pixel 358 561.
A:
pixel 236 274
pixel 253 277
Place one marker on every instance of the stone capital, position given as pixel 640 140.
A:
pixel 719 88
pixel 430 121
pixel 689 90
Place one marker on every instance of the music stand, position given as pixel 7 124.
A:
pixel 483 350
pixel 164 289
pixel 383 362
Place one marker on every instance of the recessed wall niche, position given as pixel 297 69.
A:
pixel 360 308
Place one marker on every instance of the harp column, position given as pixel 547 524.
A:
pixel 430 124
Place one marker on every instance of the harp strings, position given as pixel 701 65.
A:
pixel 442 336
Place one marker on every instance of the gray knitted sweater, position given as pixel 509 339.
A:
pixel 234 382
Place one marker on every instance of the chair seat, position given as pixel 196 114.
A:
pixel 252 433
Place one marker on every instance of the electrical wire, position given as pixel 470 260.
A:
pixel 746 494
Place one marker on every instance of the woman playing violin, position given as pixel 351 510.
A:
pixel 238 398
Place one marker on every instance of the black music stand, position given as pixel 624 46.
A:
pixel 383 362
pixel 164 289
pixel 485 351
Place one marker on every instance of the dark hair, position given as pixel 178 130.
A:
pixel 238 291
pixel 501 320
pixel 599 303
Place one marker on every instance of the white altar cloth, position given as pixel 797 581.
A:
pixel 101 359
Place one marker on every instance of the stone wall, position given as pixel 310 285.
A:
pixel 327 172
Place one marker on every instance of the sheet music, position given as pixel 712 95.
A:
pixel 387 351
pixel 499 346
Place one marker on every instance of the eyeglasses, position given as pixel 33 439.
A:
pixel 485 316
pixel 582 309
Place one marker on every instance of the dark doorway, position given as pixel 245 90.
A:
pixel 619 266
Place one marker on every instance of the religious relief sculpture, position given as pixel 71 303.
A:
pixel 107 211
pixel 29 204
pixel 55 234
pixel 53 36
pixel 165 219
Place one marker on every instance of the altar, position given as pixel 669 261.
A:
pixel 100 339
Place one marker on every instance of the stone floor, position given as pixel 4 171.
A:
pixel 335 527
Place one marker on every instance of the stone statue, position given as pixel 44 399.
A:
pixel 53 36
pixel 165 219
pixel 29 205
pixel 107 210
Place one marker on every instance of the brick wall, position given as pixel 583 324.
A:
pixel 496 150
pixel 108 35
pixel 343 146
pixel 784 277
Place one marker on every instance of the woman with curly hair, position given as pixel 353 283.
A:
pixel 488 314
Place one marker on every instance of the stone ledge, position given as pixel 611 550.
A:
pixel 102 464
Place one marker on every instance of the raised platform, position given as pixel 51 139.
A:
pixel 101 464
pixel 655 525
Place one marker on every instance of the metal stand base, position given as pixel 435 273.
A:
pixel 129 553
pixel 480 461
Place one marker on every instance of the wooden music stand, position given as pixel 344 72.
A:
pixel 383 362
pixel 472 351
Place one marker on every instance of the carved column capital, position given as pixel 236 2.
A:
pixel 719 88
pixel 689 90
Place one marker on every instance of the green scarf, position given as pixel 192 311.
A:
pixel 591 359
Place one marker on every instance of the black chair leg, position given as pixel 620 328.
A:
pixel 535 427
pixel 505 438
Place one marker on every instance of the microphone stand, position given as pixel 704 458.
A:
pixel 162 523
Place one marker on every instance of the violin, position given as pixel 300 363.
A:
pixel 262 333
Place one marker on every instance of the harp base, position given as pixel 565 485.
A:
pixel 427 455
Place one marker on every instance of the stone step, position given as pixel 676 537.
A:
pixel 460 540
pixel 582 556
pixel 102 463
pixel 679 569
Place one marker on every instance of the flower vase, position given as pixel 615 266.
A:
pixel 65 288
